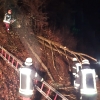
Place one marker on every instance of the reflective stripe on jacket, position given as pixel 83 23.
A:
pixel 7 18
pixel 88 85
pixel 26 84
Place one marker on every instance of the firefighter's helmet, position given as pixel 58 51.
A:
pixel 85 61
pixel 28 61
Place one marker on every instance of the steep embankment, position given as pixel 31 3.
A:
pixel 16 43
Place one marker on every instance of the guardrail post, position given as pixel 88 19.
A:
pixel 48 91
pixel 55 97
pixel 42 86
pixel 16 64
pixel 8 58
pixel 12 61
pixel 5 54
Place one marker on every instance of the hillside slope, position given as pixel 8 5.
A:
pixel 16 43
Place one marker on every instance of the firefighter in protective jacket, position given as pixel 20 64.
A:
pixel 8 19
pixel 86 82
pixel 75 67
pixel 27 75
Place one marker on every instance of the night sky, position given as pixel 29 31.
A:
pixel 83 19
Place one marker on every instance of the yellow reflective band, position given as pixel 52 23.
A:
pixel 88 91
pixel 25 71
pixel 26 92
pixel 85 89
pixel 74 73
pixel 74 67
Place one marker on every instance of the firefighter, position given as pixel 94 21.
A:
pixel 8 19
pixel 27 77
pixel 86 82
pixel 75 67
